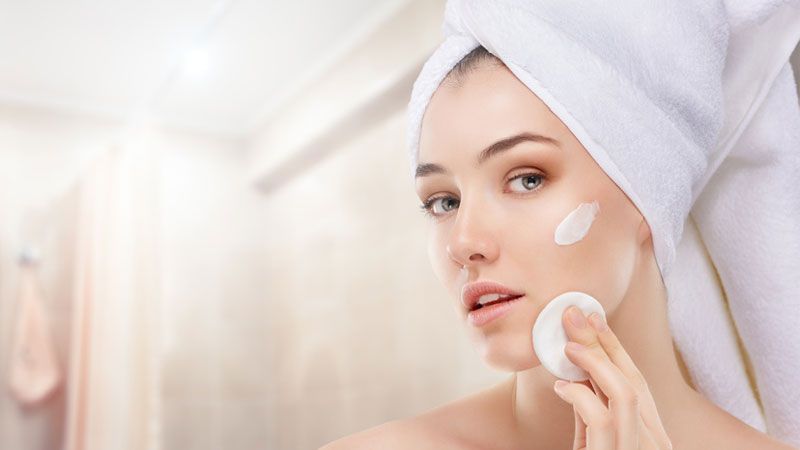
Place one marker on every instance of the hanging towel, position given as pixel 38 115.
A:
pixel 34 369
pixel 689 107
pixel 749 218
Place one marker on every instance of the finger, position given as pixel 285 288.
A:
pixel 620 357
pixel 584 331
pixel 578 330
pixel 592 385
pixel 599 392
pixel 623 400
pixel 586 335
pixel 615 351
pixel 580 425
pixel 599 432
pixel 580 431
pixel 646 439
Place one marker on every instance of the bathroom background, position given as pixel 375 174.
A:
pixel 208 235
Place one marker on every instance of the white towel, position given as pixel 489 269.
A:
pixel 670 99
pixel 749 218
pixel 35 372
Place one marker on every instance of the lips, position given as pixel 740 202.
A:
pixel 491 299
pixel 477 294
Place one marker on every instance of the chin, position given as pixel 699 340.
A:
pixel 507 352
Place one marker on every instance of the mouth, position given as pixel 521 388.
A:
pixel 493 299
pixel 492 310
pixel 482 294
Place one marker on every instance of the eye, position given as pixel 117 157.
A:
pixel 526 182
pixel 437 206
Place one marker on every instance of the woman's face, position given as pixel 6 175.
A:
pixel 496 215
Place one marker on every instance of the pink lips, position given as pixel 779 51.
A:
pixel 472 292
pixel 488 313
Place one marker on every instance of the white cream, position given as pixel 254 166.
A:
pixel 575 226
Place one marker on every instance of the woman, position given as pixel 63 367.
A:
pixel 477 212
pixel 498 170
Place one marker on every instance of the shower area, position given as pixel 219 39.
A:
pixel 219 247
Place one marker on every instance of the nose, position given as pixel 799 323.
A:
pixel 471 241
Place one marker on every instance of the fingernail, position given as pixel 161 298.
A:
pixel 576 317
pixel 574 346
pixel 558 386
pixel 597 322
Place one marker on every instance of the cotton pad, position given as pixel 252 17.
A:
pixel 550 338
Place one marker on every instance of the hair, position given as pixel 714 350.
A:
pixel 473 60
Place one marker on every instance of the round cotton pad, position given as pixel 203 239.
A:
pixel 550 338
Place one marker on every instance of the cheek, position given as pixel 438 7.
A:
pixel 437 255
pixel 598 260
pixel 602 261
pixel 547 268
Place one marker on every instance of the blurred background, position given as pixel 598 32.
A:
pixel 209 238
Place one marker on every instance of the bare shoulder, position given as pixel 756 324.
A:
pixel 720 429
pixel 396 434
pixel 766 442
pixel 456 425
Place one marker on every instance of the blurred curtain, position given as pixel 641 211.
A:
pixel 112 387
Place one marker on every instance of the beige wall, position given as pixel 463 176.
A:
pixel 289 319
pixel 41 155
pixel 362 332
pixel 313 315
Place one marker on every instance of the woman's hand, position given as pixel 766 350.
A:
pixel 614 409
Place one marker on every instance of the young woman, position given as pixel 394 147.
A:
pixel 498 172
pixel 658 118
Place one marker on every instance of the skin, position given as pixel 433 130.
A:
pixel 492 226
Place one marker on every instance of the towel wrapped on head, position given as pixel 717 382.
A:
pixel 690 108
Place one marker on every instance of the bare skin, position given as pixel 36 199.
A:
pixel 489 226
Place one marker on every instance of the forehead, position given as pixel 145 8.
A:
pixel 489 103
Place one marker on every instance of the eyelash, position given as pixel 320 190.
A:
pixel 427 205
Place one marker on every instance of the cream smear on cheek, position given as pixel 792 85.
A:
pixel 575 226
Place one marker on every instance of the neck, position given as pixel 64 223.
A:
pixel 640 323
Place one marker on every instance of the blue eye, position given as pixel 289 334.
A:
pixel 527 181
pixel 437 206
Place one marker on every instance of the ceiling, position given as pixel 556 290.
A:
pixel 119 58
pixel 212 66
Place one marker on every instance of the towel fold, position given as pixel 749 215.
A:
pixel 742 313
pixel 749 218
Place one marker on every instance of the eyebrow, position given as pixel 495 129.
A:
pixel 498 147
